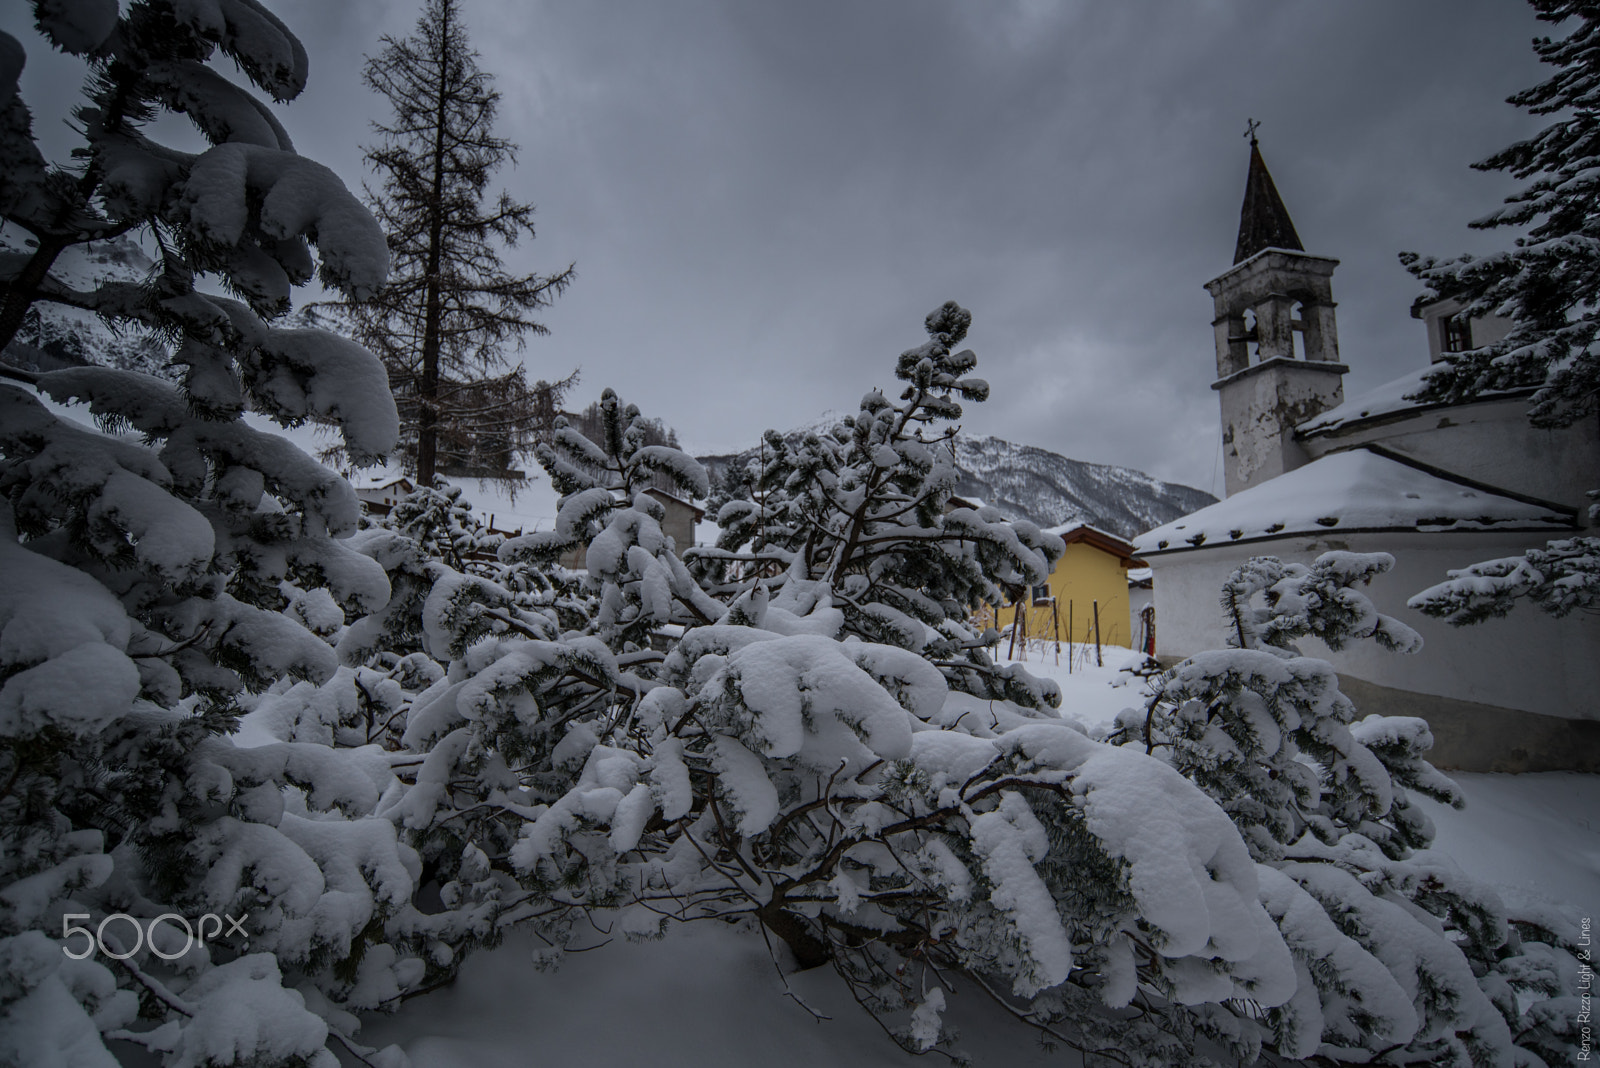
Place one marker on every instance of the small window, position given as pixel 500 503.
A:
pixel 1041 593
pixel 1456 332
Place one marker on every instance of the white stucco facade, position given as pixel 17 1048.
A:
pixel 1261 406
pixel 1527 661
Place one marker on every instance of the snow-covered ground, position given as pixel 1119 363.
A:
pixel 709 996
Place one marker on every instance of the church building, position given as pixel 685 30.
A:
pixel 1438 486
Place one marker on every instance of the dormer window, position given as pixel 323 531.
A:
pixel 1455 332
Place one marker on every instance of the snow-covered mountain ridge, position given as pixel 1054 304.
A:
pixel 1027 482
pixel 55 335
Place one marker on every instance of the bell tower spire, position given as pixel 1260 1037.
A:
pixel 1278 299
pixel 1263 220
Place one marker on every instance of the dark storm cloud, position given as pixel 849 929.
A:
pixel 764 199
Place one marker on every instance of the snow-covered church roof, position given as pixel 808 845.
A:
pixel 1387 399
pixel 1366 489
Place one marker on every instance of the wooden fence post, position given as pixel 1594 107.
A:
pixel 1069 635
pixel 1098 661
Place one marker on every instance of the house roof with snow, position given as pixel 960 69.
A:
pixel 1381 402
pixel 377 479
pixel 1106 542
pixel 1359 490
pixel 664 497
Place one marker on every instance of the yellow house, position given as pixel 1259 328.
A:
pixel 1088 589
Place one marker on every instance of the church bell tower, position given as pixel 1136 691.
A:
pixel 1277 346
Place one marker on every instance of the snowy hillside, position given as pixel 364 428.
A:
pixel 55 335
pixel 1035 484
pixel 1051 489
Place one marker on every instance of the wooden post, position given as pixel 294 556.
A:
pixel 1016 624
pixel 1069 635
pixel 1097 658
pixel 1055 623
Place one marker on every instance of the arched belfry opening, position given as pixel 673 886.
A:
pixel 1277 345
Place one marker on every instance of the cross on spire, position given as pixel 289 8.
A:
pixel 1251 126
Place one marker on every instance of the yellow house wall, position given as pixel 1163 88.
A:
pixel 1082 576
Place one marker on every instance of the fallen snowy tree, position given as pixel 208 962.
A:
pixel 777 767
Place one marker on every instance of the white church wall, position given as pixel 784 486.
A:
pixel 1261 406
pixel 1485 331
pixel 1527 661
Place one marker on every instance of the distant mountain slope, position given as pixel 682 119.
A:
pixel 54 335
pixel 1051 489
pixel 1026 482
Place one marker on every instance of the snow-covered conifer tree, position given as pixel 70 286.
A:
pixel 1396 956
pixel 637 574
pixel 441 522
pixel 1236 879
pixel 1549 282
pixel 782 765
pixel 162 571
pixel 487 688
pixel 1548 286
pixel 862 518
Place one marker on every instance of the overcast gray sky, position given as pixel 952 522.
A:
pixel 764 199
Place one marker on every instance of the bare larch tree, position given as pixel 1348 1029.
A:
pixel 450 317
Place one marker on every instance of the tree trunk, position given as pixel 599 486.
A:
pixel 428 416
pixel 20 292
pixel 809 950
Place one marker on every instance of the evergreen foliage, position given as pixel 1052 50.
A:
pixel 449 314
pixel 442 524
pixel 166 572
pixel 381 751
pixel 864 516
pixel 779 765
pixel 1561 578
pixel 1548 286
pixel 1548 283
pixel 1398 957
